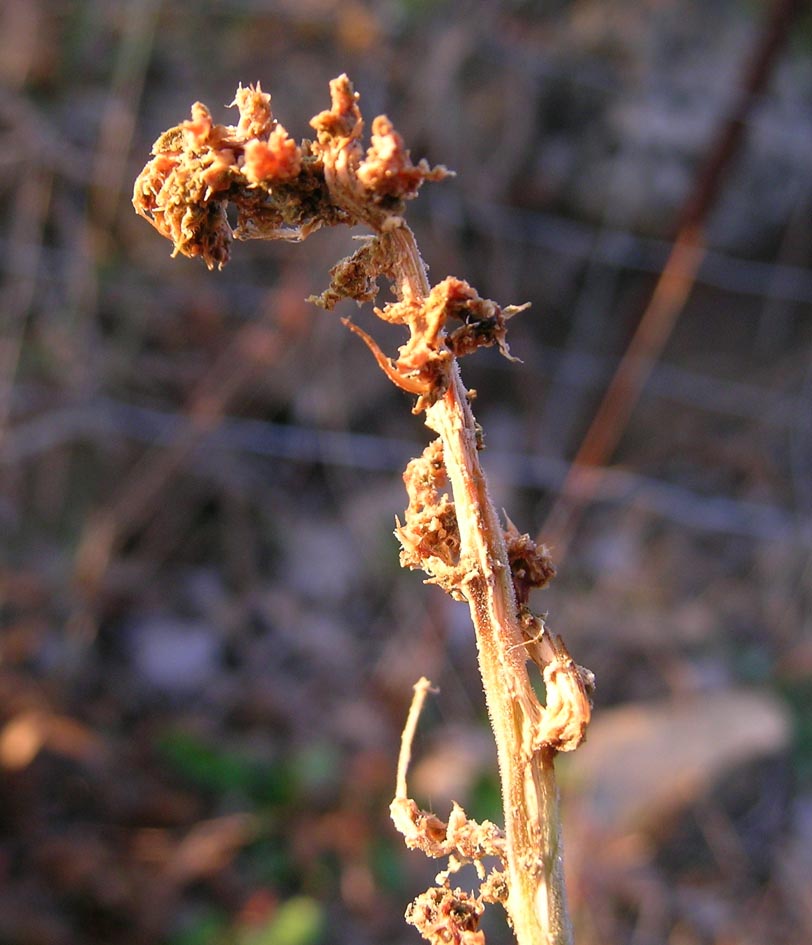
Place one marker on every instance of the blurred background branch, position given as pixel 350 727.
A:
pixel 672 288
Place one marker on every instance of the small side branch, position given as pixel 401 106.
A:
pixel 444 914
pixel 421 689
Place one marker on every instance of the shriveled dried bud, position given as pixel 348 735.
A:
pixel 530 563
pixel 429 536
pixel 447 917
pixel 484 322
pixel 343 119
pixel 388 172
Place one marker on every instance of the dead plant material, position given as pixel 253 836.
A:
pixel 283 190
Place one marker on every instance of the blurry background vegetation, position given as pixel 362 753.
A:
pixel 207 644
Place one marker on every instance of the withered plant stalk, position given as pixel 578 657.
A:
pixel 284 190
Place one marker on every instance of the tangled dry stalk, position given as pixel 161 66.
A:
pixel 284 190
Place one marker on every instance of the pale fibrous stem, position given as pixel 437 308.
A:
pixel 537 903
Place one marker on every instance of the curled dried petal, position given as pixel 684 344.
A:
pixel 277 159
pixel 447 917
pixel 412 385
pixel 568 709
pixel 388 170
pixel 197 131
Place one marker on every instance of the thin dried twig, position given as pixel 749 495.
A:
pixel 421 689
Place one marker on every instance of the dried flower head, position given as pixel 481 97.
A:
pixel 530 563
pixel 447 917
pixel 280 190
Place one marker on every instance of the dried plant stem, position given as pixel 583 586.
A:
pixel 285 191
pixel 537 903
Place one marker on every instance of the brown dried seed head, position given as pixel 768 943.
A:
pixel 447 917
pixel 530 563
pixel 199 166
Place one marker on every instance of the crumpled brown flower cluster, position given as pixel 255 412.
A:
pixel 281 190
pixel 429 537
pixel 447 917
pixel 199 166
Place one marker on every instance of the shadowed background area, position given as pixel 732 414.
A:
pixel 208 646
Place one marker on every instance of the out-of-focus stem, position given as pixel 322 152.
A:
pixel 537 901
